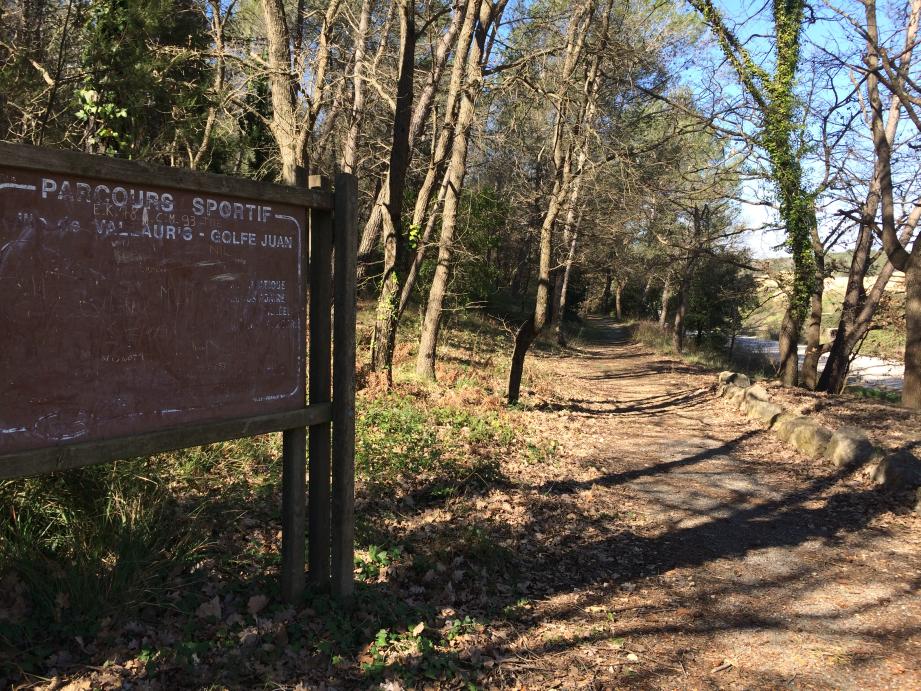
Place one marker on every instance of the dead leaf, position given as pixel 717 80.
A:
pixel 419 628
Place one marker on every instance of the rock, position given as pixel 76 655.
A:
pixel 918 505
pixel 849 447
pixel 736 378
pixel 757 392
pixel 810 438
pixel 898 471
pixel 784 425
pixel 734 394
pixel 764 411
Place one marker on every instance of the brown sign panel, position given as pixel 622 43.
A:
pixel 128 308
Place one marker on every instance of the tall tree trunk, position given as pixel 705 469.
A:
pixel 457 170
pixel 384 338
pixel 420 115
pixel 350 147
pixel 441 147
pixel 618 301
pixel 814 349
pixel 900 257
pixel 666 296
pixel 858 309
pixel 680 313
pixel 788 344
pixel 564 290
pixel 647 289
pixel 911 386
pixel 605 303
pixel 562 159
pixel 284 124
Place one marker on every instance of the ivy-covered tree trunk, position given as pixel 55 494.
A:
pixel 774 97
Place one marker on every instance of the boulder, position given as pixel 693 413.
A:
pixel 757 392
pixel 898 471
pixel 918 505
pixel 734 394
pixel 736 378
pixel 810 438
pixel 764 411
pixel 849 447
pixel 784 424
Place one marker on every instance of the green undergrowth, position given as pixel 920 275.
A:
pixel 430 450
pixel 87 550
pixel 874 393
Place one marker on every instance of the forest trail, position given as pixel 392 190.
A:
pixel 675 544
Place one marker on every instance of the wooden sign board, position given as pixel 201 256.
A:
pixel 145 309
pixel 126 308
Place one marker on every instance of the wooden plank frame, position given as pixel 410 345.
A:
pixel 332 219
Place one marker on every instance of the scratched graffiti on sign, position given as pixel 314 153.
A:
pixel 126 309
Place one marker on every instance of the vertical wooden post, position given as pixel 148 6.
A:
pixel 343 455
pixel 319 536
pixel 293 513
pixel 293 489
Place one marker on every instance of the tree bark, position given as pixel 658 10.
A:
pixel 423 108
pixel 911 386
pixel 900 257
pixel 562 159
pixel 605 302
pixel 384 338
pixel 564 290
pixel 666 296
pixel 350 147
pixel 284 124
pixel 788 344
pixel 457 170
pixel 814 348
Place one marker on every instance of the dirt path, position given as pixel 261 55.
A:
pixel 674 544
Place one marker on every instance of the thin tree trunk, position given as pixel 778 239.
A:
pixel 562 158
pixel 438 155
pixel 384 338
pixel 423 108
pixel 911 386
pixel 900 257
pixel 606 292
pixel 564 290
pixel 666 296
pixel 680 312
pixel 350 147
pixel 618 301
pixel 814 349
pixel 457 170
pixel 647 289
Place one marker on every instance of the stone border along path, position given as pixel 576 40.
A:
pixel 670 542
pixel 846 447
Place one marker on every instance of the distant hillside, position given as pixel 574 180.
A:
pixel 838 262
pixel 886 343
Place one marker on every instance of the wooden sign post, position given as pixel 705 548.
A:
pixel 146 309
